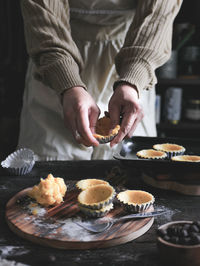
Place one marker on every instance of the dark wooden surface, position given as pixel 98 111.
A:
pixel 141 251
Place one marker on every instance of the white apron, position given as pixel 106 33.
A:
pixel 98 28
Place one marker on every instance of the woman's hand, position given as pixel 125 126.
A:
pixel 80 115
pixel 124 102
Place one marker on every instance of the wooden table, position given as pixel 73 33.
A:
pixel 141 251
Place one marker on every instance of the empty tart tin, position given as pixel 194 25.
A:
pixel 170 148
pixel 96 197
pixel 86 183
pixel 19 162
pixel 186 158
pixel 102 132
pixel 151 154
pixel 135 200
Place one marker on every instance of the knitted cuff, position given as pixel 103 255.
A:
pixel 62 75
pixel 138 74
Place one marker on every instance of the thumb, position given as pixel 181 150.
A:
pixel 93 117
pixel 114 113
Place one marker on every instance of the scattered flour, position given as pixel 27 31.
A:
pixel 166 217
pixel 68 229
pixel 3 187
pixel 36 209
pixel 74 231
pixel 4 262
pixel 12 250
pixel 6 185
pixel 65 228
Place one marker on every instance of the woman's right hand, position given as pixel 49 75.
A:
pixel 80 115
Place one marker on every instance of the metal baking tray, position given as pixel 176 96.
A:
pixel 127 154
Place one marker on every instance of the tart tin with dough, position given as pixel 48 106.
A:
pixel 151 154
pixel 96 213
pixel 135 200
pixel 86 183
pixel 102 132
pixel 186 158
pixel 170 148
pixel 96 197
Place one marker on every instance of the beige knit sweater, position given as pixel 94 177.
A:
pixel 49 43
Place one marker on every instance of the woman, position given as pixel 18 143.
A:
pixel 80 51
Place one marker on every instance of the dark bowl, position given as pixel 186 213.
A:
pixel 176 254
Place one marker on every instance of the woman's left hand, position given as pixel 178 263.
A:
pixel 125 102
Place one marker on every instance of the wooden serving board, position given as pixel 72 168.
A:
pixel 186 187
pixel 54 226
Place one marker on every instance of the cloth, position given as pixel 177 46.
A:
pixel 59 61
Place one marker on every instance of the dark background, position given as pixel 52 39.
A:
pixel 13 63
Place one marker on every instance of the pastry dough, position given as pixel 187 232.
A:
pixel 103 127
pixel 49 191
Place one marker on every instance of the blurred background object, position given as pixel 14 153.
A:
pixel 189 65
pixel 179 117
pixel 192 110
pixel 173 105
pixel 158 108
pixel 169 69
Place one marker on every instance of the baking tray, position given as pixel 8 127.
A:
pixel 127 154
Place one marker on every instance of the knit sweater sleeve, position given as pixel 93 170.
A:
pixel 50 45
pixel 148 43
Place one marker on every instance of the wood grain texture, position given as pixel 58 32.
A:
pixel 48 229
pixel 186 188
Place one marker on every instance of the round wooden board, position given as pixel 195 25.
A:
pixel 54 226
